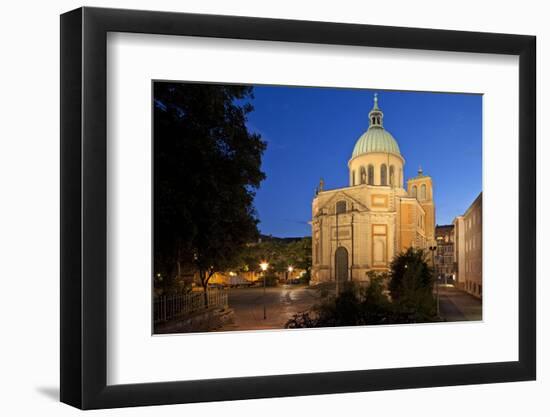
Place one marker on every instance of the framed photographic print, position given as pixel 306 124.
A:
pixel 257 208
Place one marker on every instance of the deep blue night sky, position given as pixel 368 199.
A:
pixel 311 133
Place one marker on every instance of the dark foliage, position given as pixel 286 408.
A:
pixel 411 286
pixel 410 273
pixel 271 280
pixel 279 253
pixel 411 301
pixel 207 166
pixel 354 306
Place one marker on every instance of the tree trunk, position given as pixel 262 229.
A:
pixel 205 278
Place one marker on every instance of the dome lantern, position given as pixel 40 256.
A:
pixel 376 139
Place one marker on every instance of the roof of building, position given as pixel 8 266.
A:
pixel 444 227
pixel 376 138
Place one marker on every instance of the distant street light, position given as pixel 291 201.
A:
pixel 264 265
pixel 289 274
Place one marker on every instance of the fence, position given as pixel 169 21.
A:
pixel 167 307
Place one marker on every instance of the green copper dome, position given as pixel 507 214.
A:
pixel 376 138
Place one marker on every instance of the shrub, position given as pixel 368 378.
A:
pixel 410 284
pixel 305 278
pixel 351 307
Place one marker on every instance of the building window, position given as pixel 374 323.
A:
pixel 363 175
pixel 423 192
pixel 341 207
pixel 352 177
pixel 392 175
pixel 383 175
pixel 370 175
pixel 414 190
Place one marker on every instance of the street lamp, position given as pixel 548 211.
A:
pixel 433 248
pixel 264 265
pixel 290 269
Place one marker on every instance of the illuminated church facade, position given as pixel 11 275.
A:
pixel 360 228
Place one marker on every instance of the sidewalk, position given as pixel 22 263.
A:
pixel 457 305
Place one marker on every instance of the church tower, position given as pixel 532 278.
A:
pixel 421 188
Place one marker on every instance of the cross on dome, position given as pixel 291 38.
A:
pixel 375 115
pixel 375 101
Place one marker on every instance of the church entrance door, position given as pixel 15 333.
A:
pixel 341 264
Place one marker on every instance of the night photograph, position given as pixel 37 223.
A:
pixel 281 207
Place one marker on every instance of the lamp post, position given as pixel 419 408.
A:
pixel 290 269
pixel 433 248
pixel 264 265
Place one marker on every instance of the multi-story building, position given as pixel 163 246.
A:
pixel 444 259
pixel 468 234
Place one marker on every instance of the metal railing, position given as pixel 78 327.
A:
pixel 168 307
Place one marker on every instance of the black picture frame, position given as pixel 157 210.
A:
pixel 84 207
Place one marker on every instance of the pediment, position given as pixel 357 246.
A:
pixel 342 195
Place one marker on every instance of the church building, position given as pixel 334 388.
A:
pixel 360 228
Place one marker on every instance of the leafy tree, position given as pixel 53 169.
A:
pixel 299 254
pixel 279 252
pixel 207 166
pixel 411 286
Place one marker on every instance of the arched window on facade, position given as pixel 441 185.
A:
pixel 423 192
pixel 383 175
pixel 353 177
pixel 413 190
pixel 341 207
pixel 363 178
pixel 392 175
pixel 371 175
